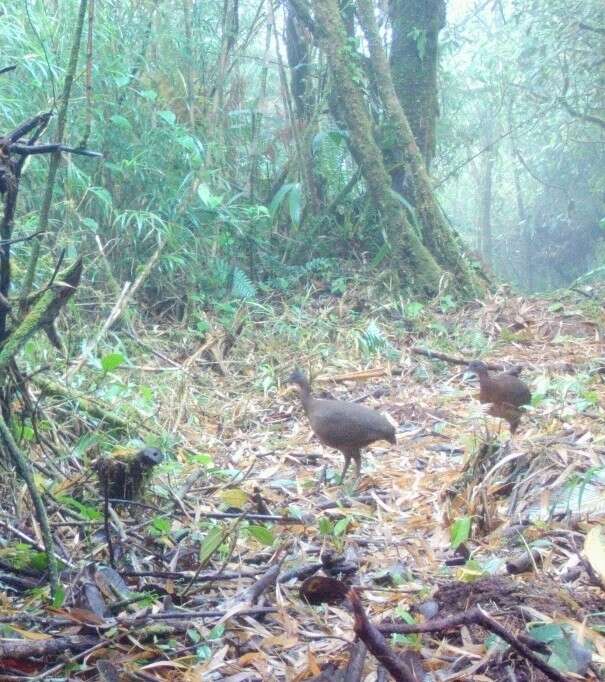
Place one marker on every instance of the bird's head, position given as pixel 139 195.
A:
pixel 149 457
pixel 300 381
pixel 477 367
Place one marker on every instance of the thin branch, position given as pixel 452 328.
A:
pixel 452 359
pixel 589 118
pixel 476 616
pixel 586 27
pixel 56 156
pixel 484 149
pixel 4 242
pixel 28 126
pixel 23 466
pixel 51 148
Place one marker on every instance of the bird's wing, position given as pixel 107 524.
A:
pixel 348 423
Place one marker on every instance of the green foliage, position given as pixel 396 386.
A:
pixel 340 527
pixel 373 342
pixel 413 310
pixel 242 287
pixel 292 192
pixel 567 654
pixel 160 526
pixel 58 597
pixel 460 531
pixel 325 526
pixel 87 512
pixel 112 361
pixel 413 641
pixel 262 534
pixel 213 540
pixel 22 556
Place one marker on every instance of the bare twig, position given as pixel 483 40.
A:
pixel 452 359
pixel 125 297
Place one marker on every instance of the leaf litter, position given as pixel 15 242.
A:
pixel 246 509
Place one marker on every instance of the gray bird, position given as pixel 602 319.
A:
pixel 347 427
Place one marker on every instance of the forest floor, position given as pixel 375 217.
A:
pixel 456 515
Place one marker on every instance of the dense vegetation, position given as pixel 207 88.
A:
pixel 196 122
pixel 199 197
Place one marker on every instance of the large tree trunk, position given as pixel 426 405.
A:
pixel 414 58
pixel 409 256
pixel 437 236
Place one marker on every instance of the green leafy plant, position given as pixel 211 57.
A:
pixel 263 534
pixel 460 531
pixel 242 287
pixel 414 640
pixel 160 526
pixel 87 512
pixel 567 654
pixel 213 540
pixel 112 361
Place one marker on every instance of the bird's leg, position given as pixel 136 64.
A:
pixel 347 456
pixel 357 457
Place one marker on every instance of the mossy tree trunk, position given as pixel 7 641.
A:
pixel 414 59
pixel 437 236
pixel 408 255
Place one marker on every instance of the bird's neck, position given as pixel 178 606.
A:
pixel 305 396
pixel 484 378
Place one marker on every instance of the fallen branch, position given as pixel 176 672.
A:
pixel 377 645
pixel 357 376
pixel 188 575
pixel 494 366
pixel 354 670
pixel 452 359
pixel 188 615
pixel 476 616
pixel 251 594
pixel 269 518
pixel 24 649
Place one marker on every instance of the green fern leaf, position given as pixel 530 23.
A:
pixel 242 286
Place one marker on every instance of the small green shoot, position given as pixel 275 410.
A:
pixel 460 531
pixel 112 361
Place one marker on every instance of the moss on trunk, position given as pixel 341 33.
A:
pixel 437 236
pixel 411 259
pixel 414 58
